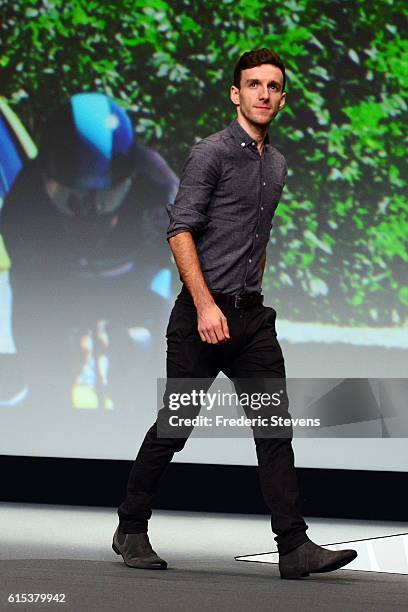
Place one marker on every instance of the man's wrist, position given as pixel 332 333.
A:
pixel 203 301
pixel 202 298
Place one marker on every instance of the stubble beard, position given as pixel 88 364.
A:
pixel 256 123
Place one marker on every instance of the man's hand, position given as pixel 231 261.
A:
pixel 212 324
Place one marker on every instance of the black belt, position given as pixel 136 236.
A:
pixel 244 300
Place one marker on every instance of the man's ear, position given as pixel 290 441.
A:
pixel 234 95
pixel 282 101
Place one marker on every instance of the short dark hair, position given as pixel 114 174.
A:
pixel 257 57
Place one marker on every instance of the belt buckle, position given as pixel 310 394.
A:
pixel 238 301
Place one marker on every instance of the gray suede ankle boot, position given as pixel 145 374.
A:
pixel 309 558
pixel 136 550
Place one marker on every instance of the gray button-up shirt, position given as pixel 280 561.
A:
pixel 227 197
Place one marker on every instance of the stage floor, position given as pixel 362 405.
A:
pixel 64 549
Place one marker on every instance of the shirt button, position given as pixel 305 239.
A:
pixel 242 144
pixel 261 207
pixel 256 235
pixel 264 183
pixel 250 260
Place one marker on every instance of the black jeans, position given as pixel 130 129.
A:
pixel 252 352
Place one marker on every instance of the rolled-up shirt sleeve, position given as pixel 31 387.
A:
pixel 201 171
pixel 285 172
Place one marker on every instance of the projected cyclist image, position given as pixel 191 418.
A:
pixel 90 273
pixel 16 148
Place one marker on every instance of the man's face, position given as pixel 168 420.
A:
pixel 260 96
pixel 87 216
pixel 87 203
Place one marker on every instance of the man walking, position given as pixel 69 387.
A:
pixel 219 228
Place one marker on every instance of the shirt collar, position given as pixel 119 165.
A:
pixel 244 139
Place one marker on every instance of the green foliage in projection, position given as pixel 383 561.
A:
pixel 340 243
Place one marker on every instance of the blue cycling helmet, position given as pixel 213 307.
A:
pixel 88 143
